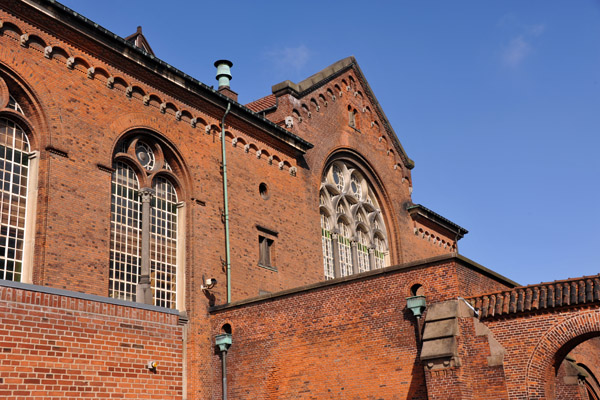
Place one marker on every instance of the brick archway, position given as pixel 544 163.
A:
pixel 569 333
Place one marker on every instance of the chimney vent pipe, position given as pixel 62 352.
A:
pixel 223 72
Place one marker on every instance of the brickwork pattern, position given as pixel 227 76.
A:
pixel 534 342
pixel 352 338
pixel 56 347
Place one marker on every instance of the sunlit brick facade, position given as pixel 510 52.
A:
pixel 113 224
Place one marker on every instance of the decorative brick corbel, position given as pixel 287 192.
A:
pixel 110 82
pixel 289 122
pixel 129 91
pixel 146 100
pixel 193 122
pixel 70 62
pixel 24 39
pixel 48 52
pixel 163 107
pixel 90 72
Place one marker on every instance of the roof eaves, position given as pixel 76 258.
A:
pixel 137 54
pixel 437 218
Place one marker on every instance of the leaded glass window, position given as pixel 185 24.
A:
pixel 163 247
pixel 379 252
pixel 12 104
pixel 127 224
pixel 362 248
pixel 14 174
pixel 345 249
pixel 338 177
pixel 327 244
pixel 126 231
pixel 347 194
pixel 145 155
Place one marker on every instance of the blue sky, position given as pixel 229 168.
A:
pixel 498 103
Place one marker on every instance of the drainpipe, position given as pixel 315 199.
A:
pixel 223 341
pixel 224 76
pixel 226 207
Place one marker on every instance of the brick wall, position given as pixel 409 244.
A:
pixel 537 341
pixel 64 345
pixel 350 338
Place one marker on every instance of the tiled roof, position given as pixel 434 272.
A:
pixel 263 103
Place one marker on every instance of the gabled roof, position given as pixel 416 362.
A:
pixel 333 71
pixel 263 104
pixel 139 40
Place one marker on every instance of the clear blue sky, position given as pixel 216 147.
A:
pixel 498 103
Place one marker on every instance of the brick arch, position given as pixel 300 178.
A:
pixel 383 197
pixel 558 340
pixel 156 126
pixel 45 108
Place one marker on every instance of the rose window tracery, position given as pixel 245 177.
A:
pixel 353 232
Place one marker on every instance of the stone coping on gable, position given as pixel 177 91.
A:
pixel 371 274
pixel 85 296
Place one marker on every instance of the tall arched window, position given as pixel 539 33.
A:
pixel 345 249
pixel 163 248
pixel 14 174
pixel 360 234
pixel 379 252
pixel 362 250
pixel 126 232
pixel 145 226
pixel 327 244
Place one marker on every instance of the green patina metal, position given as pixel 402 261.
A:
pixel 416 304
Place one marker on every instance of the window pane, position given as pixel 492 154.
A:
pixel 163 244
pixel 14 146
pixel 327 247
pixel 125 257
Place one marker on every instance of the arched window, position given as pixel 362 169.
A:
pixel 344 248
pixel 163 247
pixel 327 246
pixel 14 175
pixel 360 234
pixel 362 249
pixel 145 226
pixel 380 252
pixel 126 232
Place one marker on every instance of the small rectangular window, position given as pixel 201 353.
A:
pixel 265 246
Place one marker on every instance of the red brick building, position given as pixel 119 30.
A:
pixel 157 236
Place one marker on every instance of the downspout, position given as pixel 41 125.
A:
pixel 226 209
pixel 224 76
pixel 223 342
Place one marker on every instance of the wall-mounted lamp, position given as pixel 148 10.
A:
pixel 152 365
pixel 223 341
pixel 416 304
pixel 208 283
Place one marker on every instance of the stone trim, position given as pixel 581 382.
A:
pixel 84 296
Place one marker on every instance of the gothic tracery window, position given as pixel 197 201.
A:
pixel 327 244
pixel 359 234
pixel 127 224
